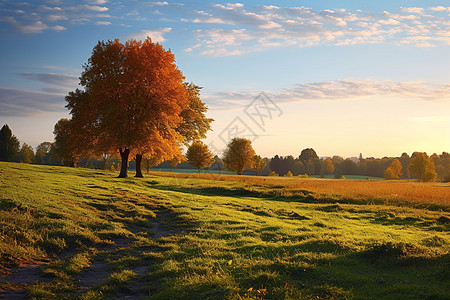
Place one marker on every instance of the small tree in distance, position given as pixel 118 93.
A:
pixel 9 144
pixel 26 154
pixel 422 167
pixel 150 162
pixel 327 167
pixel 199 156
pixel 65 143
pixel 258 164
pixel 394 171
pixel 238 155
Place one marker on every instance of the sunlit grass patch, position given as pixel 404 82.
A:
pixel 194 238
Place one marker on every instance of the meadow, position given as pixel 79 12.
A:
pixel 73 233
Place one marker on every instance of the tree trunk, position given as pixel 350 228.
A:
pixel 124 168
pixel 138 166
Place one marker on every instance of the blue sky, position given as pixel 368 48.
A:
pixel 343 77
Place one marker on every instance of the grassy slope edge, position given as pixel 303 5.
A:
pixel 231 239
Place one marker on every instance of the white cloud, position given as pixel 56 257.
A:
pixel 274 26
pixel 56 17
pixel 57 28
pixel 416 10
pixel 94 7
pixel 36 27
pixel 439 8
pixel 158 3
pixel 157 36
pixel 98 2
pixel 103 23
pixel 207 20
pixel 35 16
pixel 389 22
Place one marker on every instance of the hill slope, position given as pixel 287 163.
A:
pixel 85 234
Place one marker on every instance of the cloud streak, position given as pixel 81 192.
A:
pixel 14 102
pixel 337 90
pixel 52 78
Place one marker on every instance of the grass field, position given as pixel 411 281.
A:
pixel 85 234
pixel 191 171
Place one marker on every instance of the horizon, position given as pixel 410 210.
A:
pixel 342 79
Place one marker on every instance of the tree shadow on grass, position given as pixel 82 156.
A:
pixel 46 279
pixel 308 270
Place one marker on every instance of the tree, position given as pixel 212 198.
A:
pixel 258 164
pixel 133 101
pixel 327 167
pixel 194 124
pixel 43 153
pixel 217 164
pixel 310 160
pixel 394 171
pixel 199 156
pixel 9 144
pixel 238 155
pixel 26 154
pixel 298 168
pixel 422 167
pixel 150 162
pixel 66 144
pixel 276 165
pixel 307 154
pixel 309 167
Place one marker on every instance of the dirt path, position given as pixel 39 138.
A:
pixel 20 277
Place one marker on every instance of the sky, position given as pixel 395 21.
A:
pixel 341 77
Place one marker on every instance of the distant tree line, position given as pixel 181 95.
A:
pixel 238 157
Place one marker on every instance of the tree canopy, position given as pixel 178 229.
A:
pixel 66 147
pixel 135 101
pixel 394 171
pixel 26 154
pixel 258 163
pixel 199 156
pixel 238 155
pixel 9 144
pixel 422 167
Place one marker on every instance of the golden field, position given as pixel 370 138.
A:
pixel 386 190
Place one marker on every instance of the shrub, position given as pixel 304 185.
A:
pixel 273 173
pixel 303 175
pixel 288 174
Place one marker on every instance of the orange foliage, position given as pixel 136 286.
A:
pixel 133 98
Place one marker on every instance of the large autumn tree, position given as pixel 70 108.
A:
pixel 238 155
pixel 133 102
pixel 193 126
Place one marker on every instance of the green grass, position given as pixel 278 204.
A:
pixel 228 239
